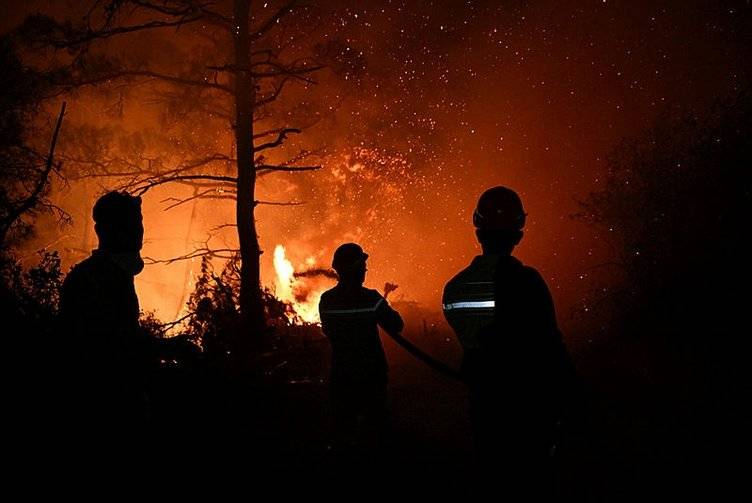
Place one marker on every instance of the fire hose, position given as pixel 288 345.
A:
pixel 424 357
pixel 415 351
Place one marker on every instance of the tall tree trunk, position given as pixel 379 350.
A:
pixel 251 305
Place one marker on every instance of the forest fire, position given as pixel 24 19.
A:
pixel 298 289
pixel 386 150
pixel 227 148
pixel 399 176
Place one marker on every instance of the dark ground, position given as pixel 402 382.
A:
pixel 624 441
pixel 630 436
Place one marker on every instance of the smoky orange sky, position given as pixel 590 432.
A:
pixel 454 97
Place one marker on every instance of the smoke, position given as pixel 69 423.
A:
pixel 316 272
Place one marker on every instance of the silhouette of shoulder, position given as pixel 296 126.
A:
pixel 478 275
pixel 99 294
pixel 467 271
pixel 83 282
pixel 361 297
pixel 90 272
pixel 372 294
pixel 533 280
pixel 534 277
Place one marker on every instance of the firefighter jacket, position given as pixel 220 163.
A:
pixel 350 317
pixel 502 310
pixel 468 300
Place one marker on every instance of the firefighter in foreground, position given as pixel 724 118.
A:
pixel 515 365
pixel 350 317
pixel 109 356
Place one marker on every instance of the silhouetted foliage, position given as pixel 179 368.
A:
pixel 213 319
pixel 29 298
pixel 24 181
pixel 676 205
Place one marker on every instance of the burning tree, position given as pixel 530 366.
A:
pixel 230 69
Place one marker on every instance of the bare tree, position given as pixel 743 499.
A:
pixel 238 82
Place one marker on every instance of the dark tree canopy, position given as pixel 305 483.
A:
pixel 23 168
pixel 676 205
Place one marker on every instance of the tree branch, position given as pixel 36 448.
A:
pixel 281 137
pixel 149 74
pixel 222 226
pixel 269 23
pixel 207 194
pixel 33 198
pixel 91 35
pixel 267 133
pixel 279 203
pixel 200 252
pixel 195 163
pixel 300 156
pixel 291 71
pixel 129 168
pixel 270 168
pixel 141 187
pixel 191 8
pixel 164 9
pixel 273 96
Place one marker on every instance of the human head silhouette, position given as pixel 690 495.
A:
pixel 118 222
pixel 499 218
pixel 350 263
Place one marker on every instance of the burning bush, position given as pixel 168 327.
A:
pixel 213 322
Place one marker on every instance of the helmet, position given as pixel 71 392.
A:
pixel 348 256
pixel 499 208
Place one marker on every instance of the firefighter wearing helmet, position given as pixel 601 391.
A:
pixel 469 297
pixel 514 362
pixel 350 318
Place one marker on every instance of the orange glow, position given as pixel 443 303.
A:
pixel 405 149
pixel 304 300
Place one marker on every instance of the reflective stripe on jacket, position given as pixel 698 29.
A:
pixel 468 300
pixel 350 318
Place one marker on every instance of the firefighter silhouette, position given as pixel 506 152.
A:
pixel 514 362
pixel 350 317
pixel 110 356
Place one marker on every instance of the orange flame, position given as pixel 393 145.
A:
pixel 303 298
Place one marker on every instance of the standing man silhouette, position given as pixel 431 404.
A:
pixel 110 356
pixel 350 317
pixel 514 364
